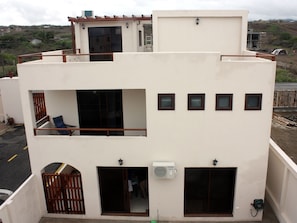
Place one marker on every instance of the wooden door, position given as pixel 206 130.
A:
pixel 114 190
pixel 63 193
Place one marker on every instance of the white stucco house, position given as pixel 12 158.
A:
pixel 10 100
pixel 170 119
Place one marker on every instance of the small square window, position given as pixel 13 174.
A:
pixel 224 102
pixel 253 102
pixel 196 101
pixel 166 101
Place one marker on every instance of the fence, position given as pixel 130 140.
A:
pixel 285 99
pixel 63 193
pixel 281 184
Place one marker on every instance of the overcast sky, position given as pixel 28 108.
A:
pixel 55 12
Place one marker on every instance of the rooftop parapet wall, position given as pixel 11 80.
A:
pixel 141 70
pixel 221 31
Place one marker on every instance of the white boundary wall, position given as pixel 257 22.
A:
pixel 23 206
pixel 281 184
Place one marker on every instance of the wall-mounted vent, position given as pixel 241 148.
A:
pixel 164 170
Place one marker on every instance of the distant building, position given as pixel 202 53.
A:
pixel 36 42
pixel 254 39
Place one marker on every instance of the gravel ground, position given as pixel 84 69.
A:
pixel 286 136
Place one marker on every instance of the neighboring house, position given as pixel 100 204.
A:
pixel 254 39
pixel 178 134
pixel 10 100
pixel 35 42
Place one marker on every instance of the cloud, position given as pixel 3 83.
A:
pixel 36 12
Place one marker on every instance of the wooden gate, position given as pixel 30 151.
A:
pixel 39 106
pixel 63 193
pixel 285 99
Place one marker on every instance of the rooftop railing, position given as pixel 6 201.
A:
pixel 63 55
pixel 257 55
pixel 67 55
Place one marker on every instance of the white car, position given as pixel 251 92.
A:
pixel 4 194
pixel 279 52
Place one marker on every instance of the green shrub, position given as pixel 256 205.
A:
pixel 283 75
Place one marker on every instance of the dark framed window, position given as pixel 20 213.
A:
pixel 166 101
pixel 253 102
pixel 224 102
pixel 196 101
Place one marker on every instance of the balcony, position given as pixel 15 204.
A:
pixel 112 112
pixel 46 127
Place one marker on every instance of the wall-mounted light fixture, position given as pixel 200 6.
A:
pixel 121 162
pixel 215 162
pixel 197 21
pixel 127 25
pixel 83 26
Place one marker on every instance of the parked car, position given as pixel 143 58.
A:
pixel 279 52
pixel 4 194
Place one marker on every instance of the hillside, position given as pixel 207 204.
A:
pixel 280 34
pixel 16 40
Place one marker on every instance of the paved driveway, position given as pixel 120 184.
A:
pixel 14 158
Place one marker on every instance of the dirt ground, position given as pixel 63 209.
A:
pixel 284 133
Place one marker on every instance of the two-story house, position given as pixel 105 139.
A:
pixel 170 119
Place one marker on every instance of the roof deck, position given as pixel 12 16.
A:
pixel 68 56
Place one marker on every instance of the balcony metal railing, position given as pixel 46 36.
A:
pixel 63 56
pixel 69 53
pixel 101 131
pixel 257 55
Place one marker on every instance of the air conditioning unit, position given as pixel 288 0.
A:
pixel 164 170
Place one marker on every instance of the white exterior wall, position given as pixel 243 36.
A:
pixel 134 110
pixel 57 101
pixel 11 100
pixel 235 138
pixel 281 184
pixel 218 31
pixel 130 40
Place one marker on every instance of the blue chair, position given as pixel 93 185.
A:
pixel 59 123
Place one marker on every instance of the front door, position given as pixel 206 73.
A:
pixel 114 190
pixel 124 190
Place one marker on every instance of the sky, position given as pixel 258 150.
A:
pixel 56 12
